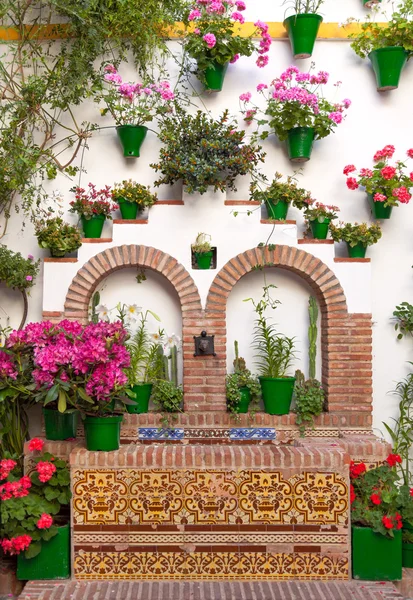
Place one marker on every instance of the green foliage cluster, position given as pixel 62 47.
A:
pixel 397 32
pixel 402 434
pixel 167 396
pixel 317 211
pixel 14 270
pixel 130 191
pixel 287 191
pixel 309 400
pixel 201 245
pixel 403 316
pixel 144 362
pixel 60 237
pixel 312 336
pixel 355 234
pixel 241 378
pixel 203 151
pixel 305 6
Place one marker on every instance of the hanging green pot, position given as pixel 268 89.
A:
pixel 376 557
pixel 131 137
pixel 203 259
pixel 128 210
pixel 53 561
pixel 142 393
pixel 378 209
pixel 60 426
pixel 388 64
pixel 278 211
pixel 243 404
pixel 300 143
pixel 370 3
pixel 92 228
pixel 103 433
pixel 302 30
pixel 214 77
pixel 319 229
pixel 357 251
pixel 277 393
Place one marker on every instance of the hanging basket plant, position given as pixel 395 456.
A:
pixel 386 185
pixel 388 47
pixel 296 111
pixel 302 27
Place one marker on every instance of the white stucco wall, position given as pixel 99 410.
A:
pixel 373 121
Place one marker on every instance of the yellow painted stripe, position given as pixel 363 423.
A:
pixel 328 31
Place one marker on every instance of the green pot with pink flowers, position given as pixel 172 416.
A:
pixel 93 207
pixel 386 184
pixel 319 217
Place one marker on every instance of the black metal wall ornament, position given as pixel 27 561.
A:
pixel 204 344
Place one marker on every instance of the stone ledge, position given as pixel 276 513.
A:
pixel 130 221
pixel 314 241
pixel 50 259
pixel 278 222
pixel 169 203
pixel 242 203
pixel 97 240
pixel 347 259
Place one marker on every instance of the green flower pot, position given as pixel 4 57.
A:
pixel 376 557
pixel 214 77
pixel 203 259
pixel 370 3
pixel 53 561
pixel 388 64
pixel 407 556
pixel 128 210
pixel 302 30
pixel 277 393
pixel 142 393
pixel 277 211
pixel 92 228
pixel 319 229
pixel 378 209
pixel 103 433
pixel 300 143
pixel 357 251
pixel 60 426
pixel 131 137
pixel 242 406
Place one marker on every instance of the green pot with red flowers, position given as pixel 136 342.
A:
pixel 376 521
pixel 132 198
pixel 93 207
pixel 34 524
pixel 279 196
pixel 319 217
pixel 386 184
pixel 357 237
pixel 296 109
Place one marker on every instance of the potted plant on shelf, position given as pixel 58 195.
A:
pixel 358 237
pixel 213 42
pixel 376 522
pixel 59 237
pixel 35 525
pixel 388 47
pixel 132 106
pixel 279 196
pixel 309 400
pixel 241 387
pixel 93 207
pixel 203 151
pixel 202 251
pixel 386 185
pixel 132 198
pixel 296 110
pixel 275 354
pixel 302 27
pixel 319 216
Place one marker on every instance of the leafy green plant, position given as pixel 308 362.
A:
pixel 403 315
pixel 304 6
pixel 18 273
pixel 407 537
pixel 274 351
pixel 317 211
pixel 309 400
pixel 287 191
pixel 203 151
pixel 60 237
pixel 92 202
pixel 398 31
pixel 355 234
pixel 312 336
pixel 130 191
pixel 202 245
pixel 167 396
pixel 143 350
pixel 241 378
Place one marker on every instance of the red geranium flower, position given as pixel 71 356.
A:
pixel 352 493
pixel 393 459
pixel 387 522
pixel 375 498
pixel 357 469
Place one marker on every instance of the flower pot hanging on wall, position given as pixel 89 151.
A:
pixel 302 30
pixel 388 64
pixel 214 77
pixel 300 143
pixel 131 137
pixel 370 3
pixel 378 209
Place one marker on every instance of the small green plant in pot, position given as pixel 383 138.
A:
pixel 93 207
pixel 132 198
pixel 319 217
pixel 357 237
pixel 242 387
pixel 388 47
pixel 275 353
pixel 302 27
pixel 279 196
pixel 59 237
pixel 309 400
pixel 202 250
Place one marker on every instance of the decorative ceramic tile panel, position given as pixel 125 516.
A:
pixel 252 433
pixel 157 433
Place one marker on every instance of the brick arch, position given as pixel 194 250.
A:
pixel 103 264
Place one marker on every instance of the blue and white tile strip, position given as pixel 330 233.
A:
pixel 252 433
pixel 157 433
